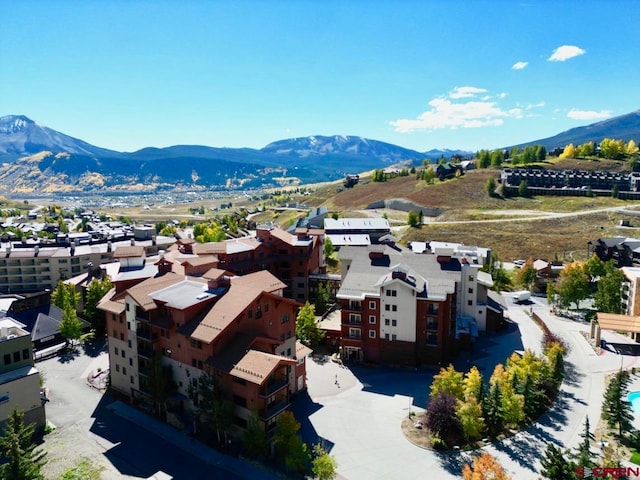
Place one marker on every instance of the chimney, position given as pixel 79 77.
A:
pixel 36 251
pixel 133 242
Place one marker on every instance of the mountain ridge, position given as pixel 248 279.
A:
pixel 75 165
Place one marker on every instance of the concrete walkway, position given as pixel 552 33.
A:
pixel 359 416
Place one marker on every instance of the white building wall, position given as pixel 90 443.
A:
pixel 119 366
pixel 22 393
pixel 404 314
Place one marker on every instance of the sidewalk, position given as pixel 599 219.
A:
pixel 183 441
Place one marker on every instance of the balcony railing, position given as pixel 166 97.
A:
pixel 274 409
pixel 353 307
pixel 353 321
pixel 146 334
pixel 272 388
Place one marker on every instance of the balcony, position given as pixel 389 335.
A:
pixel 146 334
pixel 353 307
pixel 273 387
pixel 145 352
pixel 353 320
pixel 273 410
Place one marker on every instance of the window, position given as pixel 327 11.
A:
pixel 123 354
pixel 250 314
pixel 200 364
pixel 471 290
pixel 129 343
pixel 394 323
pixel 266 307
pixel 469 302
pixel 285 318
pixel 387 308
pixel 354 333
pixel 372 334
pixel 25 354
pixel 122 336
pixel 432 309
pixel 258 312
pixel 372 305
pixel 354 318
pixel 117 352
pixel 117 368
pixel 124 370
pixel 131 379
pixel 394 308
pixel 432 338
pixel 128 306
pixel 130 362
pixel 372 319
pixel 121 319
pixel 288 352
pixel 392 293
pixel 193 362
pixel 7 359
pixel 432 323
pixel 386 336
pixel 300 284
pixel 282 337
pixel 288 333
pixel 471 278
pixel 394 337
pixel 387 322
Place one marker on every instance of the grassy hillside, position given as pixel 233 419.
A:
pixel 464 200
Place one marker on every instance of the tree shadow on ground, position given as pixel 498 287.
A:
pixel 68 355
pixel 452 461
pixel 572 376
pixel 93 348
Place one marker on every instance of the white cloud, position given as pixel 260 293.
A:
pixel 565 52
pixel 445 113
pixel 520 65
pixel 466 92
pixel 588 114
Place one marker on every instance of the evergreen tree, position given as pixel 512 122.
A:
pixel 584 457
pixel 17 445
pixel 493 410
pixel 556 466
pixel 289 447
pixel 615 408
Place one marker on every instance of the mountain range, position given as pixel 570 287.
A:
pixel 36 158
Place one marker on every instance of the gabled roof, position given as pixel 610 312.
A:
pixel 242 292
pixel 239 360
pixel 619 323
pixel 135 251
pixel 109 304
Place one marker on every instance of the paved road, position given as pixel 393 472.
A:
pixel 359 417
pixel 124 442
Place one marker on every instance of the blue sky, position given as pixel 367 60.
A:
pixel 420 74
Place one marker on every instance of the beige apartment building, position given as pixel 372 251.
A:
pixel 19 379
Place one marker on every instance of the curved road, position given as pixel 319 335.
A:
pixel 358 412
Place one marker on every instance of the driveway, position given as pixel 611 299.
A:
pixel 359 417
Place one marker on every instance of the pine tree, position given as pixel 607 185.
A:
pixel 555 466
pixel 615 408
pixel 584 458
pixel 493 415
pixel 16 444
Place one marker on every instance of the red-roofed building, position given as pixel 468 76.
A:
pixel 240 328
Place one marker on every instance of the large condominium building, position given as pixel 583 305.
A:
pixel 28 267
pixel 19 379
pixel 407 308
pixel 290 257
pixel 239 328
